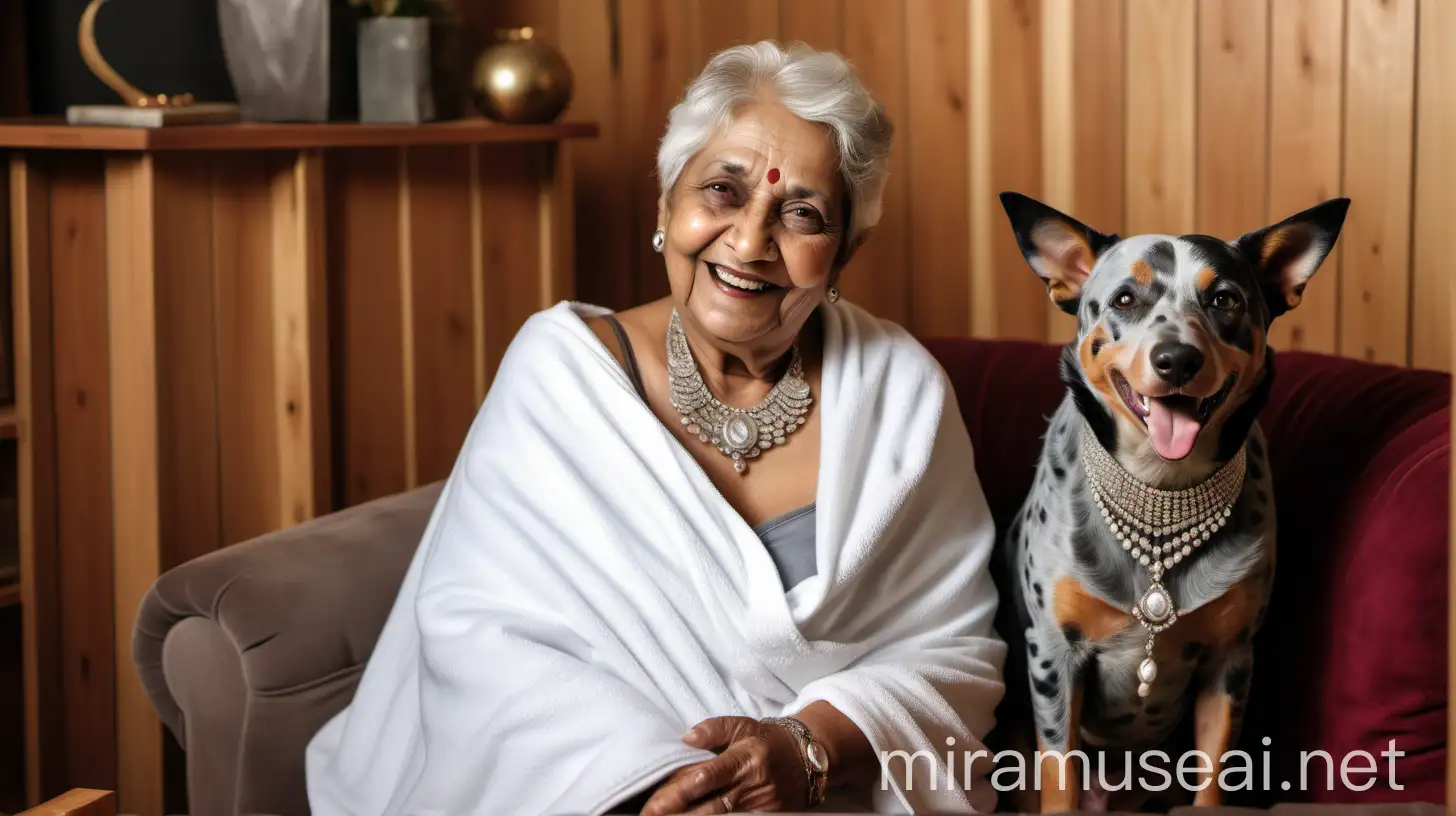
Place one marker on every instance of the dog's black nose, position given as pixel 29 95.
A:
pixel 1177 363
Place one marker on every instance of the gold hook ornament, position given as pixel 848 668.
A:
pixel 129 93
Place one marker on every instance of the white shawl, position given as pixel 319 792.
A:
pixel 583 595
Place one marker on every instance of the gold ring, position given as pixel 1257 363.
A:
pixel 727 805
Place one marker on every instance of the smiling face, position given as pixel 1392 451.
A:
pixel 1172 330
pixel 754 226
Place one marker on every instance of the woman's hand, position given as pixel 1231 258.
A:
pixel 759 767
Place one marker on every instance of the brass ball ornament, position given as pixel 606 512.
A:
pixel 521 80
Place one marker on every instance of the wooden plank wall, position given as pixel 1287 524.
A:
pixel 172 317
pixel 435 258
pixel 1215 116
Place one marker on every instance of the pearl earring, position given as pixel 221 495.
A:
pixel 659 240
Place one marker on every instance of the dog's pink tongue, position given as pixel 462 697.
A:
pixel 1172 432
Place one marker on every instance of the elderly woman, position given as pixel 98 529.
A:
pixel 721 552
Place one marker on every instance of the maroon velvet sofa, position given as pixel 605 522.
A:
pixel 245 652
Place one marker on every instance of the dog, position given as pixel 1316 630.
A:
pixel 1169 370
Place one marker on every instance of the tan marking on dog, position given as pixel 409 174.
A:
pixel 1093 366
pixel 1142 273
pixel 1212 727
pixel 1228 359
pixel 1059 790
pixel 1073 605
pixel 1290 242
pixel 1062 294
pixel 1096 370
pixel 1217 623
pixel 1205 279
pixel 1139 375
pixel 1273 242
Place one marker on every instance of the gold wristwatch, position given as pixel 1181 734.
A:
pixel 816 759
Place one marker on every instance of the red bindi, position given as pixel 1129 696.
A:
pixel 773 175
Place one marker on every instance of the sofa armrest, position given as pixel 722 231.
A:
pixel 301 606
pixel 1352 654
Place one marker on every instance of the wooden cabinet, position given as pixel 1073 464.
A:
pixel 225 330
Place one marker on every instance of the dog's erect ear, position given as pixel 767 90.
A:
pixel 1286 255
pixel 1060 249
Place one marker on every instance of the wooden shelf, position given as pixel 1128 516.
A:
pixel 9 595
pixel 9 423
pixel 55 134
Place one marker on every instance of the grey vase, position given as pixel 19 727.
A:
pixel 395 70
pixel 290 60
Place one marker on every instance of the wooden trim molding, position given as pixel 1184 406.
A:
pixel 477 280
pixel 39 571
pixel 557 227
pixel 51 134
pixel 136 470
pixel 300 339
pixel 407 323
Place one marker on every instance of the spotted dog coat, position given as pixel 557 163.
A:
pixel 1180 321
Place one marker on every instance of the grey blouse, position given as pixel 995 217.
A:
pixel 790 542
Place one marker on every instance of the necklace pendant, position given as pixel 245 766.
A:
pixel 1155 611
pixel 1147 673
pixel 739 433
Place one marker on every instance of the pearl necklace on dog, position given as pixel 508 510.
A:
pixel 739 433
pixel 1158 528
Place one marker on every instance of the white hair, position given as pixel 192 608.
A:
pixel 816 86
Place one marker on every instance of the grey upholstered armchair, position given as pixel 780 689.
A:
pixel 247 651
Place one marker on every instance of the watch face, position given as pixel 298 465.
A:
pixel 818 758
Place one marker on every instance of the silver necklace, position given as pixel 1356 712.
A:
pixel 1158 529
pixel 739 433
